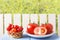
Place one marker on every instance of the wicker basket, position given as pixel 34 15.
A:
pixel 15 35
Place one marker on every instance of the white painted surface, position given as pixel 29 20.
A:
pixel 1 25
pixel 34 18
pixel 59 24
pixel 43 18
pixel 7 20
pixel 25 21
pixel 52 20
pixel 17 19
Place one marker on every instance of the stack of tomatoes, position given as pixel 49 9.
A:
pixel 43 29
pixel 14 28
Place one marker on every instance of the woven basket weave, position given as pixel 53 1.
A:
pixel 15 35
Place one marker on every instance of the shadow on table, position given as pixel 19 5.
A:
pixel 26 36
pixel 53 37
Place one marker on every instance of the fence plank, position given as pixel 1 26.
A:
pixel 17 19
pixel 43 18
pixel 34 18
pixel 25 21
pixel 7 20
pixel 52 20
pixel 59 24
pixel 1 25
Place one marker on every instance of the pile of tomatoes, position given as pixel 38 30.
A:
pixel 42 29
pixel 14 28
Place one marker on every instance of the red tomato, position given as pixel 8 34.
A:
pixel 30 27
pixel 9 27
pixel 19 29
pixel 16 27
pixel 13 30
pixel 49 27
pixel 40 31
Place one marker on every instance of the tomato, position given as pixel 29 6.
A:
pixel 49 27
pixel 16 26
pixel 19 29
pixel 40 31
pixel 9 27
pixel 30 27
pixel 13 30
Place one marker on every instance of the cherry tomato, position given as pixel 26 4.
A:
pixel 9 27
pixel 19 29
pixel 13 30
pixel 16 27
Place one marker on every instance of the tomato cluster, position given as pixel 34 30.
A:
pixel 14 28
pixel 43 29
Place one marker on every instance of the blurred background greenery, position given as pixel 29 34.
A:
pixel 30 6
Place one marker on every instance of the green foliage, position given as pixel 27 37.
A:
pixel 30 6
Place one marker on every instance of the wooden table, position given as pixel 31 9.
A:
pixel 26 37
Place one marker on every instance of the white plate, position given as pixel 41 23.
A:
pixel 38 36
